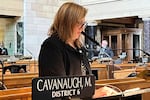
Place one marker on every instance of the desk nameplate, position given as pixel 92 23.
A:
pixel 48 88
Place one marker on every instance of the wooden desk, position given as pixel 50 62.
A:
pixel 31 65
pixel 98 66
pixel 131 65
pixel 17 80
pixel 129 83
pixel 123 84
pixel 127 69
pixel 24 93
pixel 102 70
pixel 105 71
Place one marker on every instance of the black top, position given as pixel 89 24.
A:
pixel 59 59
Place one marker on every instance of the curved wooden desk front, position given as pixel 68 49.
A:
pixel 105 70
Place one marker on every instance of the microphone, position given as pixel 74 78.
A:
pixel 28 57
pixel 29 51
pixel 145 52
pixel 31 58
pixel 91 39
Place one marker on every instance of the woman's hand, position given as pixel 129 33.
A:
pixel 100 93
pixel 104 91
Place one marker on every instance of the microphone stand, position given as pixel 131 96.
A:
pixel 2 83
pixel 108 66
pixel 33 59
pixel 145 52
pixel 91 39
pixel 114 49
pixel 2 71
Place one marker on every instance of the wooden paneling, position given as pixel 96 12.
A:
pixel 16 94
pixel 125 20
pixel 18 80
pixel 31 65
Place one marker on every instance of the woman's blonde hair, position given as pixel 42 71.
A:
pixel 68 15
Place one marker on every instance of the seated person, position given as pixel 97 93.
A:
pixel 105 51
pixel 3 50
pixel 121 57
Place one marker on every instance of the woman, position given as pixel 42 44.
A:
pixel 62 53
pixel 62 48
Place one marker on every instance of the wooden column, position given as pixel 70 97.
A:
pixel 119 43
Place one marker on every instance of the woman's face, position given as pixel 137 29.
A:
pixel 79 27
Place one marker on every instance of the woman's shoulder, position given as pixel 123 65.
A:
pixel 53 41
pixel 52 38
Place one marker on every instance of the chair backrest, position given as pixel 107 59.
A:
pixel 2 86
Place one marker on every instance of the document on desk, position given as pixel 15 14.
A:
pixel 115 91
pixel 135 91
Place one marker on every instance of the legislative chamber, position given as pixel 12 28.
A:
pixel 18 85
pixel 125 24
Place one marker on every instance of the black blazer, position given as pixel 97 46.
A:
pixel 59 59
